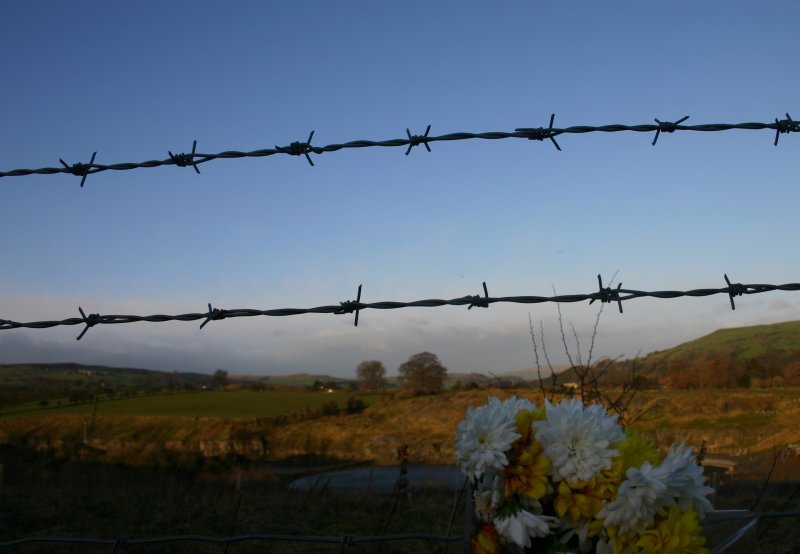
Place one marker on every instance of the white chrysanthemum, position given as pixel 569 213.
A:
pixel 520 527
pixel 638 500
pixel 483 438
pixel 569 529
pixel 683 479
pixel 576 440
pixel 677 482
pixel 513 404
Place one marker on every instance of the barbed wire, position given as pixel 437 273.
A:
pixel 344 541
pixel 298 148
pixel 603 294
pixel 751 519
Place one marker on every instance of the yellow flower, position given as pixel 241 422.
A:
pixel 528 467
pixel 487 541
pixel 621 542
pixel 576 500
pixel 679 533
pixel 524 421
pixel 527 473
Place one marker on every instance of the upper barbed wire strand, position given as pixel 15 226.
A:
pixel 780 126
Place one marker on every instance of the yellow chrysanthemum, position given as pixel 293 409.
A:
pixel 524 419
pixel 621 542
pixel 679 533
pixel 578 501
pixel 527 473
pixel 487 541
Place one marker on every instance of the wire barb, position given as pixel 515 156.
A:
pixel 416 140
pixel 734 289
pixel 350 306
pixel 540 133
pixel 607 295
pixel 90 321
pixel 479 301
pixel 81 170
pixel 300 149
pixel 119 544
pixel 667 127
pixel 787 126
pixel 345 543
pixel 185 160
pixel 214 314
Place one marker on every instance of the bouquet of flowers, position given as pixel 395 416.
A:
pixel 567 478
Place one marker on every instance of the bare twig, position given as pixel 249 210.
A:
pixel 776 456
pixel 536 356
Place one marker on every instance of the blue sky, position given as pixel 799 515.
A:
pixel 134 82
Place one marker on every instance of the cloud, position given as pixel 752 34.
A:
pixel 781 306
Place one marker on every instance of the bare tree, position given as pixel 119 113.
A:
pixel 371 375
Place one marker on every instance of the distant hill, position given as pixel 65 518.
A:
pixel 59 375
pixel 303 380
pixel 743 343
pixel 758 355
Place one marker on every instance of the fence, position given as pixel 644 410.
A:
pixel 603 294
pixel 345 541
pixel 297 148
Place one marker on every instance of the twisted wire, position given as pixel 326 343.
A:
pixel 347 540
pixel 298 148
pixel 344 540
pixel 603 294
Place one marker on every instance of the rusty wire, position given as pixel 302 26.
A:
pixel 603 294
pixel 298 148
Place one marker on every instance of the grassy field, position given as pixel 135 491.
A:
pixel 138 474
pixel 221 404
pixel 734 422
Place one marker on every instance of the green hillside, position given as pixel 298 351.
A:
pixel 758 356
pixel 744 343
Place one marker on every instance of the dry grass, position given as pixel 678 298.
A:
pixel 739 423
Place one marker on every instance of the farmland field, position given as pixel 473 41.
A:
pixel 221 404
